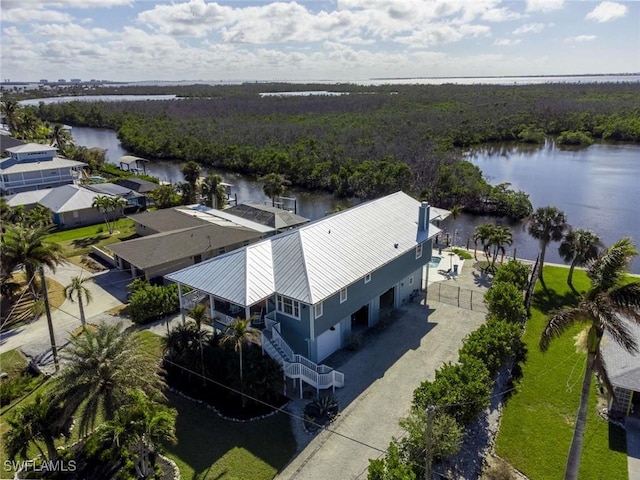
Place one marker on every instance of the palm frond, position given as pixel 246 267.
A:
pixel 626 295
pixel 559 323
pixel 608 320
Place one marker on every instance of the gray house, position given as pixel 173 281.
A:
pixel 316 285
pixel 33 166
pixel 623 369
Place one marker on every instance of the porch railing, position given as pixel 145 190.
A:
pixel 297 366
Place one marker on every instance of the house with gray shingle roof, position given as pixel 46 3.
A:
pixel 33 166
pixel 277 218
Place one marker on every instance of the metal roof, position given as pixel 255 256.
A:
pixel 316 260
pixel 29 197
pixel 267 215
pixel 68 198
pixel 222 218
pixel 11 165
pixel 32 148
pixel 129 159
pixel 623 367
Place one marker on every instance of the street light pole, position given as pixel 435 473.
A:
pixel 47 308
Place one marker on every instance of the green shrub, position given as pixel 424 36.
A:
pixel 574 138
pixel 147 302
pixel 14 387
pixel 493 343
pixel 514 272
pixel 505 302
pixel 531 134
pixel 463 254
pixel 461 390
pixel 391 466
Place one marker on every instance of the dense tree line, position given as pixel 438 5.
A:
pixel 367 142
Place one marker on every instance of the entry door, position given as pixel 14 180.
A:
pixel 328 342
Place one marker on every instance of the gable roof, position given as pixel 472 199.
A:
pixel 623 367
pixel 32 148
pixel 10 165
pixel 30 197
pixel 267 215
pixel 222 218
pixel 315 261
pixel 167 219
pixel 68 198
pixel 7 141
pixel 160 248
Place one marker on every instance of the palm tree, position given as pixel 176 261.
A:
pixel 456 210
pixel 547 224
pixel 191 172
pixel 28 247
pixel 164 196
pixel 498 238
pixel 104 366
pixel 76 289
pixel 213 190
pixel 604 308
pixel 199 314
pixel 60 137
pixel 482 235
pixel 12 112
pixel 106 204
pixel 39 216
pixel 578 248
pixel 102 203
pixel 238 333
pixel 140 428
pixel 37 421
pixel 274 185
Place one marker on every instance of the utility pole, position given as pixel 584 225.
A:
pixel 47 308
pixel 428 443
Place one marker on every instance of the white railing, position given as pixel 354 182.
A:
pixel 190 299
pixel 297 366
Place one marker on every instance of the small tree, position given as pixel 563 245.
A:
pixel 77 290
pixel 274 185
pixel 391 466
pixel 514 272
pixel 578 248
pixel 505 302
pixel 238 333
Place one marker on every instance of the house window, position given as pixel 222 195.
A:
pixel 288 306
pixel 317 310
pixel 367 278
pixel 343 295
pixel 411 280
pixel 418 251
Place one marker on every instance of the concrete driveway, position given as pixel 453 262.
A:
pixel 108 290
pixel 379 383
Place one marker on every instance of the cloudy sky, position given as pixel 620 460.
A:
pixel 315 40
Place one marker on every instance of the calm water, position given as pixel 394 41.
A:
pixel 96 98
pixel 597 188
pixel 310 205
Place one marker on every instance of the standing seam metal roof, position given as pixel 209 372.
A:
pixel 317 260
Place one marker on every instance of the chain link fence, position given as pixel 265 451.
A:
pixel 457 296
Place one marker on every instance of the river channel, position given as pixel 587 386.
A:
pixel 598 187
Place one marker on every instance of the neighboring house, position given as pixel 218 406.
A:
pixel 318 284
pixel 137 185
pixel 135 201
pixel 70 205
pixel 175 238
pixel 624 373
pixel 33 166
pixel 7 141
pixel 277 218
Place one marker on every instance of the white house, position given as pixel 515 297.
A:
pixel 33 166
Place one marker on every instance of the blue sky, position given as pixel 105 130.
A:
pixel 315 40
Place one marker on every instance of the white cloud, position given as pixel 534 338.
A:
pixel 580 39
pixel 544 6
pixel 529 28
pixel 506 42
pixel 607 11
pixel 500 15
pixel 30 15
pixel 441 33
pixel 194 18
pixel 70 30
pixel 86 3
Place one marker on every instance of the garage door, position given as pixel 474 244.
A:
pixel 328 342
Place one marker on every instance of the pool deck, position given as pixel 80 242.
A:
pixel 445 269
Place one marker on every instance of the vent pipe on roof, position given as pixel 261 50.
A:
pixel 423 217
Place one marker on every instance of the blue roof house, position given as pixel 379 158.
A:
pixel 319 284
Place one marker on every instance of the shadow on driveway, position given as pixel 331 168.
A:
pixel 114 282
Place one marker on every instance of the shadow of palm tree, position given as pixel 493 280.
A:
pixel 87 242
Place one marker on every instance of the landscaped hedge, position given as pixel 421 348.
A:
pixel 148 302
pixel 493 343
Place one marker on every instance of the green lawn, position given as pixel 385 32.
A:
pixel 537 422
pixel 78 241
pixel 14 363
pixel 211 448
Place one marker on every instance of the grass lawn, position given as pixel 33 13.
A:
pixel 78 241
pixel 538 420
pixel 212 448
